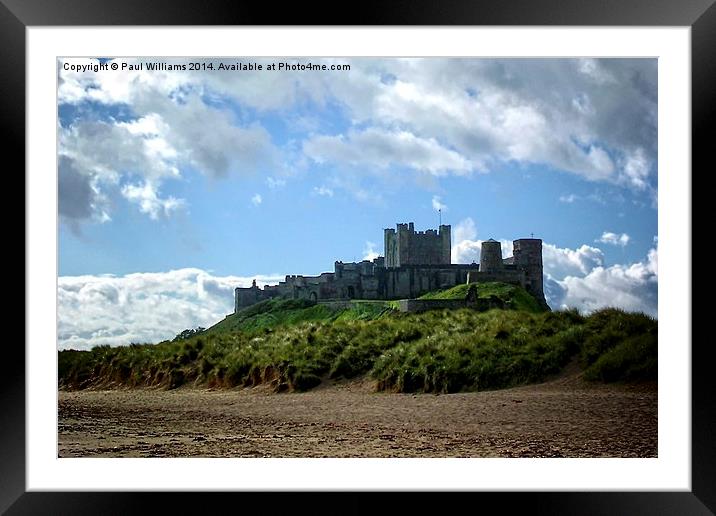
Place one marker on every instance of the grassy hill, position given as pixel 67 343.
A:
pixel 274 313
pixel 513 296
pixel 294 345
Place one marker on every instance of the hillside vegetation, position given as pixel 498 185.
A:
pixel 513 296
pixel 295 345
pixel 274 313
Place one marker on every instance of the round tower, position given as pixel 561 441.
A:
pixel 491 256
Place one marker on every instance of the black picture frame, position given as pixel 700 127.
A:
pixel 700 15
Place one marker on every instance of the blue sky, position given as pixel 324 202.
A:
pixel 208 179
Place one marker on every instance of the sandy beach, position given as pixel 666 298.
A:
pixel 565 417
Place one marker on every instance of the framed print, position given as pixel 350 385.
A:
pixel 299 218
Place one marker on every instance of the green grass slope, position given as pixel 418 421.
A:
pixel 294 346
pixel 274 313
pixel 514 296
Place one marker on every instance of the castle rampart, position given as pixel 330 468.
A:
pixel 415 262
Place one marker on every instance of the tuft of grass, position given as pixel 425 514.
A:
pixel 504 351
pixel 620 346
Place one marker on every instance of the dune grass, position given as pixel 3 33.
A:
pixel 296 346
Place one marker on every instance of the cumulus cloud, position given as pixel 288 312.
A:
pixel 516 109
pixel 559 262
pixel 466 247
pixel 148 199
pixel 118 310
pixel 632 287
pixel 256 199
pixel 80 197
pixel 370 252
pixel 167 128
pixel 636 167
pixel 261 91
pixel 94 156
pixel 596 118
pixel 614 238
pixel 568 199
pixel 211 140
pixel 382 148
pixel 142 307
pixel 578 278
pixel 465 230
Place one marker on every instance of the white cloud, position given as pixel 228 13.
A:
pixel 107 150
pixel 560 262
pixel 148 200
pixel 465 230
pixel 118 310
pixel 82 198
pixel 172 129
pixel 274 183
pixel 595 71
pixel 142 307
pixel 577 277
pixel 466 251
pixel 636 168
pixel 323 191
pixel 524 110
pixel 437 204
pixel 614 238
pixel 466 248
pixel 569 199
pixel 602 166
pixel 590 117
pixel 211 140
pixel 583 104
pixel 370 252
pixel 375 147
pixel 256 199
pixel 631 287
pixel 262 91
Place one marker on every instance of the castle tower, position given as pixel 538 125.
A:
pixel 446 243
pixel 405 232
pixel 390 247
pixel 491 256
pixel 405 246
pixel 527 253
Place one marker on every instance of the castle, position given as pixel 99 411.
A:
pixel 414 263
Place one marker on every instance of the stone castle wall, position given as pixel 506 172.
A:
pixel 421 305
pixel 423 260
